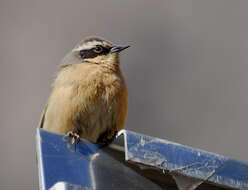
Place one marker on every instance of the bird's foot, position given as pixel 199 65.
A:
pixel 107 137
pixel 74 137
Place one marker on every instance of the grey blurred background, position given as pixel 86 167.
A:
pixel 186 70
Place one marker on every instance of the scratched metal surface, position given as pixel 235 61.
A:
pixel 188 161
pixel 89 167
pixel 153 162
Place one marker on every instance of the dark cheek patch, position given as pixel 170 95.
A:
pixel 85 54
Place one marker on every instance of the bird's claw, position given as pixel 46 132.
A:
pixel 75 138
pixel 107 137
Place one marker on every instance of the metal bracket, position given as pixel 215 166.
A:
pixel 133 161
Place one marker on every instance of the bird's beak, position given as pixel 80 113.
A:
pixel 118 48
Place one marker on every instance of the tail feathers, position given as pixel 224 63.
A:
pixel 42 119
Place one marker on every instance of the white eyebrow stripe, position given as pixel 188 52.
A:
pixel 87 46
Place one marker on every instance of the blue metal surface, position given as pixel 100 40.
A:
pixel 89 167
pixel 60 163
pixel 188 161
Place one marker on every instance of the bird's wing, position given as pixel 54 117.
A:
pixel 121 108
pixel 42 119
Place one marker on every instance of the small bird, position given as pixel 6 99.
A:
pixel 89 97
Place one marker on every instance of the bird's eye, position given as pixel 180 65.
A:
pixel 98 49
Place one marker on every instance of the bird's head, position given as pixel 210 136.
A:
pixel 94 50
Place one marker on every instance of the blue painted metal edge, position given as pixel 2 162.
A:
pixel 67 186
pixel 185 160
pixel 39 159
